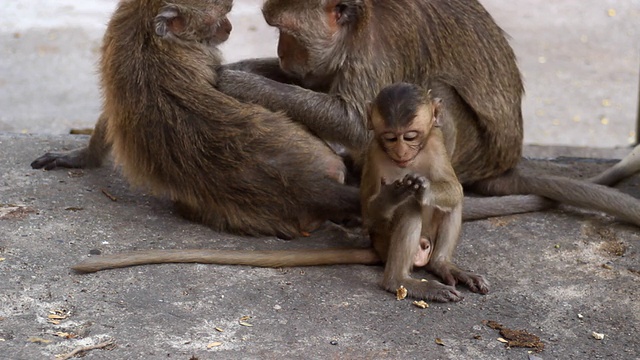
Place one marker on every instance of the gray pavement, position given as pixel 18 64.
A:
pixel 560 275
pixel 580 61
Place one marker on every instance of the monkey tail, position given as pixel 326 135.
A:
pixel 476 208
pixel 566 191
pixel 268 258
pixel 620 171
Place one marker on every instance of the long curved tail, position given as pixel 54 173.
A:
pixel 476 208
pixel 566 191
pixel 269 258
pixel 620 171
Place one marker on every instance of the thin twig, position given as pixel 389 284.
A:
pixel 111 197
pixel 81 349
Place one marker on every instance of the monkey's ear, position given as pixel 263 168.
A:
pixel 437 112
pixel 344 12
pixel 169 20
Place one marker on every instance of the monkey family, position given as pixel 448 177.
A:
pixel 242 147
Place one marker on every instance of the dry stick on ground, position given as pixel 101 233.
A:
pixel 81 349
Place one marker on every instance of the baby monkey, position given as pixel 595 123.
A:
pixel 411 197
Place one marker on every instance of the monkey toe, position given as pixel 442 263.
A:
pixel 50 161
pixel 43 161
pixel 447 294
pixel 475 283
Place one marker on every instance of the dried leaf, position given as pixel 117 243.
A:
pixel 503 340
pixel 219 329
pixel 245 324
pixel 421 304
pixel 214 344
pixel 38 340
pixel 2 259
pixel 401 293
pixel 56 317
pixel 439 342
pixel 244 318
pixel 83 131
pixel 65 335
pixel 15 212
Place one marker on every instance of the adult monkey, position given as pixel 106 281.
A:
pixel 352 48
pixel 327 45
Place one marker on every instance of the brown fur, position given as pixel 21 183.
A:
pixel 233 166
pixel 353 48
pixel 424 203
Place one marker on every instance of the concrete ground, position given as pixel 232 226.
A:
pixel 580 61
pixel 560 275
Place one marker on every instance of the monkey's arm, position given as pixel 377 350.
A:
pixel 329 117
pixel 89 156
pixel 267 67
pixel 445 195
pixel 383 204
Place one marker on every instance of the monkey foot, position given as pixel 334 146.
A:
pixel 451 275
pixel 429 290
pixel 50 161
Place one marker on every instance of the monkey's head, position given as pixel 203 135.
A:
pixel 314 33
pixel 189 21
pixel 401 117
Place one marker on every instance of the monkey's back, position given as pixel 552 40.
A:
pixel 231 165
pixel 457 46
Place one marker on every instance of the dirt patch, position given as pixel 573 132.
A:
pixel 614 248
pixel 516 338
pixel 14 212
pixel 612 245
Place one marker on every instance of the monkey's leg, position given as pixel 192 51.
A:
pixel 404 244
pixel 87 157
pixel 445 244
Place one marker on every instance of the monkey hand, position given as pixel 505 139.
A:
pixel 394 193
pixel 417 185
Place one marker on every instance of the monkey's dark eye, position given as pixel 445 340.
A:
pixel 390 138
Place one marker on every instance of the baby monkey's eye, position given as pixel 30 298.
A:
pixel 390 138
pixel 410 136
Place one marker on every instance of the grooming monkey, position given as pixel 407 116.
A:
pixel 414 214
pixel 233 166
pixel 351 49
pixel 415 221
